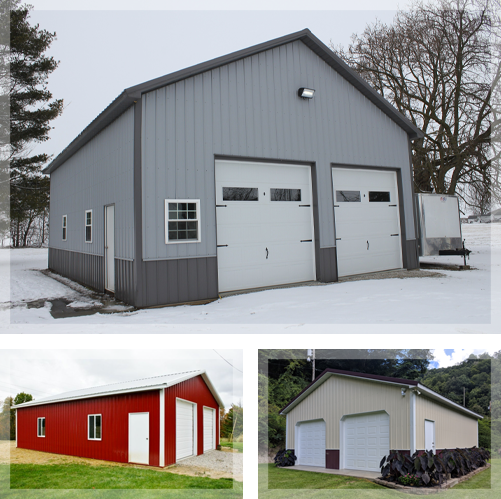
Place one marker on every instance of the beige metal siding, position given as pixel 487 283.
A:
pixel 340 396
pixel 452 429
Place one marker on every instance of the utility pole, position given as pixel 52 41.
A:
pixel 311 358
pixel 464 396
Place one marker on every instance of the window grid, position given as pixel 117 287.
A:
pixel 65 224
pixel 182 220
pixel 88 226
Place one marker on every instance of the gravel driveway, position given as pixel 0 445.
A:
pixel 213 463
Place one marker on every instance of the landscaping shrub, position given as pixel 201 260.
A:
pixel 285 458
pixel 433 469
pixel 409 480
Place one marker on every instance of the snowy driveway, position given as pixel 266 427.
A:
pixel 458 298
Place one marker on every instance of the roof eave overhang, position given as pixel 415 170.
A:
pixel 132 94
pixel 323 378
pixel 439 398
pixel 160 386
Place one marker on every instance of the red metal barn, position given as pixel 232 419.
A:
pixel 154 421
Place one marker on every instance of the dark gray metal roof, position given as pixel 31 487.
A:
pixel 132 94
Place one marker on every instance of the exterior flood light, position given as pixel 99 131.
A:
pixel 306 93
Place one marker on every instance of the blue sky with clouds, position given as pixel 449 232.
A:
pixel 449 356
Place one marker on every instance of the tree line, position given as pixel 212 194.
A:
pixel 283 374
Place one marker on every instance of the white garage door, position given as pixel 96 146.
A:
pixel 311 444
pixel 264 225
pixel 209 443
pixel 184 429
pixel 366 441
pixel 367 221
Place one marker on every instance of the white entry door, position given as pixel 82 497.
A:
pixel 366 439
pixel 109 248
pixel 185 434
pixel 367 221
pixel 209 429
pixel 264 225
pixel 429 435
pixel 311 444
pixel 139 434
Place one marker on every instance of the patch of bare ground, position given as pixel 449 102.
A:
pixel 10 454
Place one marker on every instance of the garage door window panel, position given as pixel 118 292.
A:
pixel 240 194
pixel 379 197
pixel 182 221
pixel 285 194
pixel 348 197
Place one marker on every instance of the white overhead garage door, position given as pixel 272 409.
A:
pixel 366 441
pixel 367 221
pixel 209 427
pixel 264 225
pixel 185 441
pixel 311 444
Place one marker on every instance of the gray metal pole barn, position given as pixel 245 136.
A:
pixel 154 154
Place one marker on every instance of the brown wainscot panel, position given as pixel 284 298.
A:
pixel 332 459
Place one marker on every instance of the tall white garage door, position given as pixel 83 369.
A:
pixel 311 444
pixel 209 427
pixel 366 441
pixel 367 221
pixel 185 435
pixel 264 225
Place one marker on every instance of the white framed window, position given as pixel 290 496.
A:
pixel 94 427
pixel 41 427
pixel 88 226
pixel 182 221
pixel 65 226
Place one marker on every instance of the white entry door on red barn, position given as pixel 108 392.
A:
pixel 209 429
pixel 139 434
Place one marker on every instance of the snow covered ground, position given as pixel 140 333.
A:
pixel 457 302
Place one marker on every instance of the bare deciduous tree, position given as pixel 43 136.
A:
pixel 438 63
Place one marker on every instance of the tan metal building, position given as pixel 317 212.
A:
pixel 348 420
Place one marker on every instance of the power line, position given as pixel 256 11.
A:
pixel 228 362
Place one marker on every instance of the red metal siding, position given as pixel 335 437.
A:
pixel 66 426
pixel 194 390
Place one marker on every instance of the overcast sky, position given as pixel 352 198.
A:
pixel 102 52
pixel 51 372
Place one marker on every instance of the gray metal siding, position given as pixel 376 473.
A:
pixel 250 108
pixel 99 174
pixel 80 267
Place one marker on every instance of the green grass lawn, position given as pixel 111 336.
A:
pixel 276 483
pixel 74 480
pixel 232 445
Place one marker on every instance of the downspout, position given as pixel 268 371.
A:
pixel 16 429
pixel 287 431
pixel 162 428
pixel 412 421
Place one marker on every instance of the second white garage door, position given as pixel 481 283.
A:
pixel 185 435
pixel 209 427
pixel 311 444
pixel 367 221
pixel 264 225
pixel 366 441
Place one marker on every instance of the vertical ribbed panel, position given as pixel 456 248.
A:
pixel 124 281
pixel 250 109
pixel 66 426
pixel 341 396
pixel 99 174
pixel 80 267
pixel 452 429
pixel 194 390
